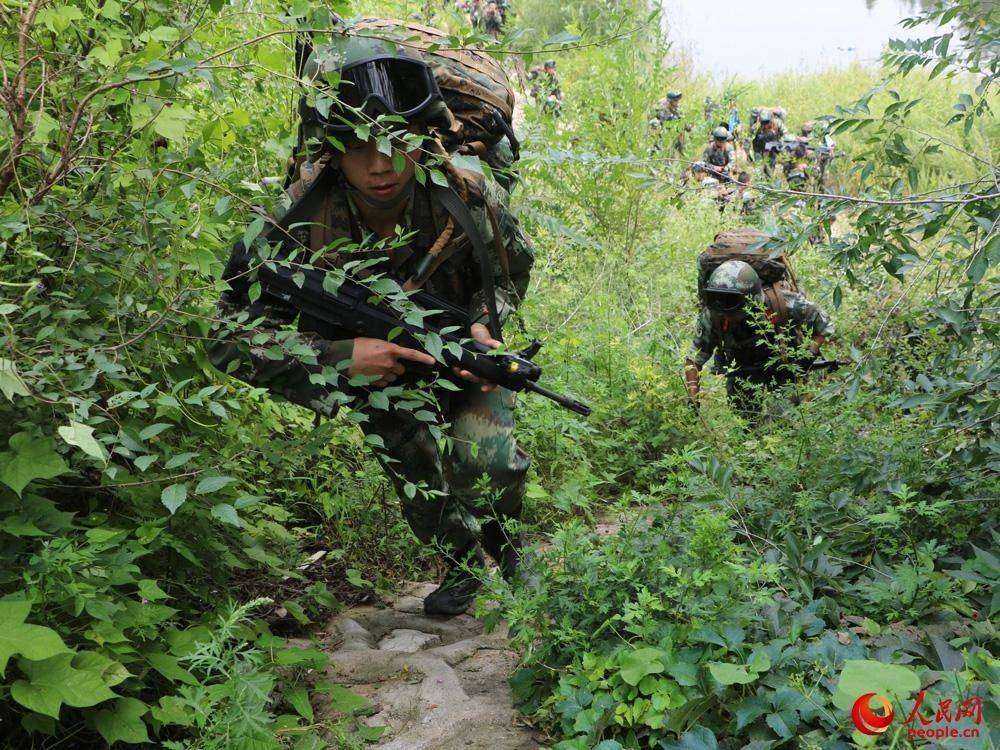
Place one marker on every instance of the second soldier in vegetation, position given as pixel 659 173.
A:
pixel 756 331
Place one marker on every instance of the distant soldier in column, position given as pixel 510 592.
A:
pixel 552 89
pixel 771 129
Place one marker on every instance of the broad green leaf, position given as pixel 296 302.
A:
pixel 684 672
pixel 379 400
pixel 639 663
pixel 165 34
pixel 173 497
pixel 18 637
pixel 171 122
pixel 107 54
pixel 179 460
pixel 343 700
pixel 45 127
pixel 227 514
pixel 111 672
pixel 173 710
pixel 698 738
pixel 253 229
pixel 170 667
pixel 82 437
pixel 123 723
pixel 31 457
pixel 298 698
pixel 858 677
pixel 11 383
pixel 150 590
pixel 59 18
pixel 212 484
pixel 730 674
pixel 55 681
pixel 760 661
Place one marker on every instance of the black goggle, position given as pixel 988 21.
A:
pixel 389 86
pixel 725 301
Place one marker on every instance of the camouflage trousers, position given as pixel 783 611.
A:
pixel 747 389
pixel 478 479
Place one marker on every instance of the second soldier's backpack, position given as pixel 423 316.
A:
pixel 473 85
pixel 748 245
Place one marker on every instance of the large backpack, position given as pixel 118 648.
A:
pixel 748 245
pixel 474 87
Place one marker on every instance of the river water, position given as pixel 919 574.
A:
pixel 747 39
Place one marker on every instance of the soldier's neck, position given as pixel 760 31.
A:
pixel 381 218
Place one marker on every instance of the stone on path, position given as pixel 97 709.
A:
pixel 408 641
pixel 435 683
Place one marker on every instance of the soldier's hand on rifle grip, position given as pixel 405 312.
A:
pixel 383 359
pixel 481 334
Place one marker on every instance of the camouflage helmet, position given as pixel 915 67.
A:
pixel 807 127
pixel 730 286
pixel 550 64
pixel 780 113
pixel 368 77
pixel 765 115
pixel 674 95
pixel 720 134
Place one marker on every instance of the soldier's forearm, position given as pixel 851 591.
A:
pixel 692 377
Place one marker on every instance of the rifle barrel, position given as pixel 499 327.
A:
pixel 565 401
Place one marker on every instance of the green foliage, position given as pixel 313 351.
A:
pixel 136 483
pixel 837 542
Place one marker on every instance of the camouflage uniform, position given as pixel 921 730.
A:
pixel 746 349
pixel 762 137
pixel 667 110
pixel 481 425
pixel 552 92
pixel 493 18
pixel 718 155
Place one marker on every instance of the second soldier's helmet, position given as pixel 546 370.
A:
pixel 368 77
pixel 720 134
pixel 674 95
pixel 550 63
pixel 731 285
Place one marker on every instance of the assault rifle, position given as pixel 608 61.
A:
pixel 825 365
pixel 344 303
pixel 782 146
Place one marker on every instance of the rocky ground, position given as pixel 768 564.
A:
pixel 435 683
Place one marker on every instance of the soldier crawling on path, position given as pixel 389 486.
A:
pixel 754 327
pixel 456 496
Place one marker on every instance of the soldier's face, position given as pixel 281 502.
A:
pixel 372 173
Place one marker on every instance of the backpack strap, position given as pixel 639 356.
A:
pixel 455 206
pixel 777 310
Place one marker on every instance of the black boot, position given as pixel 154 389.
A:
pixel 504 547
pixel 459 586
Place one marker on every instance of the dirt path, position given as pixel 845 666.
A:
pixel 436 683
